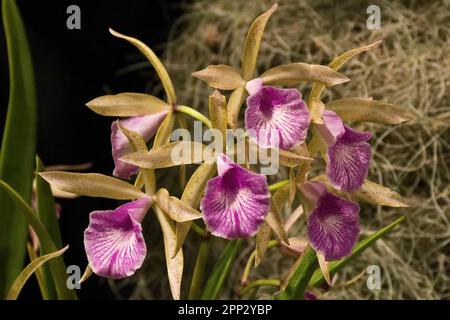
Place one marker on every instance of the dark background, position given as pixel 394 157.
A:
pixel 71 68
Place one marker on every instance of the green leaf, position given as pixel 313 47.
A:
pixel 28 272
pixel 156 63
pixel 45 210
pixel 300 276
pixel 368 110
pixel 128 104
pixel 362 245
pixel 221 270
pixel 57 267
pixel 18 146
pixel 253 41
pixel 92 185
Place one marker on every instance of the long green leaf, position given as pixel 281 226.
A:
pixel 301 274
pixel 221 270
pixel 57 268
pixel 335 266
pixel 45 210
pixel 28 272
pixel 18 146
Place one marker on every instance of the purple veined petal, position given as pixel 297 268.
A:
pixel 332 128
pixel 113 241
pixel 349 160
pixel 253 86
pixel 333 226
pixel 236 201
pixel 279 117
pixel 146 126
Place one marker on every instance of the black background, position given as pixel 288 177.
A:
pixel 71 68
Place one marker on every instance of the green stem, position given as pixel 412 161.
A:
pixel 199 269
pixel 278 185
pixel 197 229
pixel 194 114
pixel 251 260
pixel 259 283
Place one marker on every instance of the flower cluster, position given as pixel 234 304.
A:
pixel 238 202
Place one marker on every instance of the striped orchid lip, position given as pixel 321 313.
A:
pixel 114 242
pixel 333 224
pixel 348 153
pixel 278 117
pixel 146 126
pixel 236 201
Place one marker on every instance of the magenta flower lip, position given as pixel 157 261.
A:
pixel 114 242
pixel 146 126
pixel 236 201
pixel 348 153
pixel 279 117
pixel 333 225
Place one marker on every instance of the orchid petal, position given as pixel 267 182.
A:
pixel 236 201
pixel 146 126
pixel 114 243
pixel 279 117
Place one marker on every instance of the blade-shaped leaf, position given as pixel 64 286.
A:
pixel 234 106
pixel 92 185
pixel 253 41
pixel 220 77
pixel 221 270
pixel 170 155
pixel 362 245
pixel 299 276
pixel 18 145
pixel 45 210
pixel 293 74
pixel 174 263
pixel 42 283
pixel 156 63
pixel 368 110
pixel 128 104
pixel 176 209
pixel 57 267
pixel 28 272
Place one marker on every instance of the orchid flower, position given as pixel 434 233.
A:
pixel 333 224
pixel 348 153
pixel 146 126
pixel 236 201
pixel 279 117
pixel 114 242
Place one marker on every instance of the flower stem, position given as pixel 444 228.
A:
pixel 199 269
pixel 251 260
pixel 259 283
pixel 278 185
pixel 194 114
pixel 197 229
